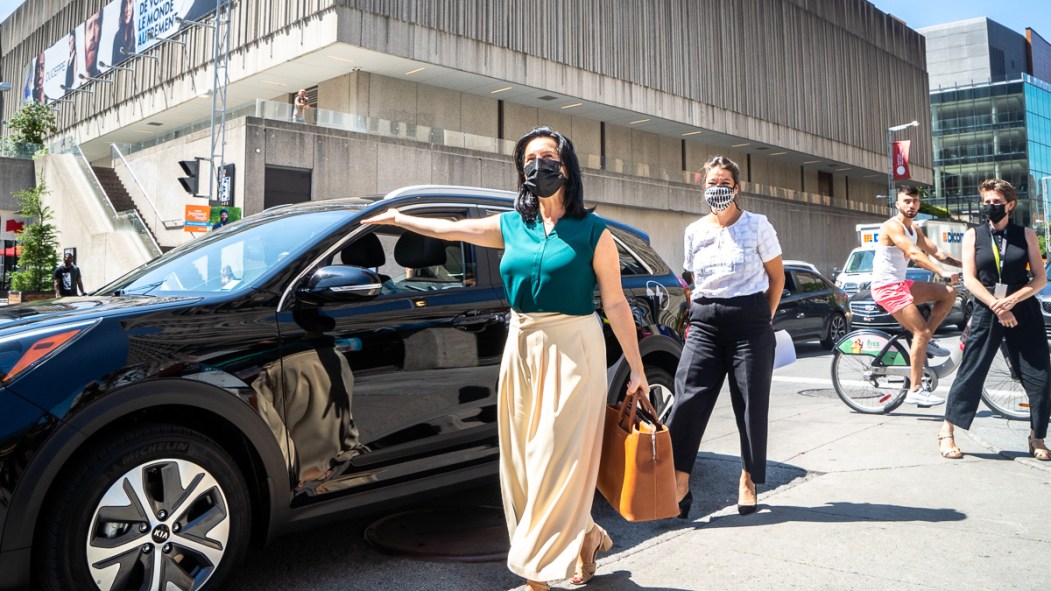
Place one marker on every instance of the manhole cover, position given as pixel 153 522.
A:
pixel 455 534
pixel 820 393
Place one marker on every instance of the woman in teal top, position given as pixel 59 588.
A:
pixel 553 386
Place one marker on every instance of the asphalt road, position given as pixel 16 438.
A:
pixel 336 557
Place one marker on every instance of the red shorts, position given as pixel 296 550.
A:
pixel 893 296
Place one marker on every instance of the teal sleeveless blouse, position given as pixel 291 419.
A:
pixel 551 273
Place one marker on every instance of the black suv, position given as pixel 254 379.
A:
pixel 290 367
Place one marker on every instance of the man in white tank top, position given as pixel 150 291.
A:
pixel 900 242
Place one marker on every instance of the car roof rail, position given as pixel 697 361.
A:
pixel 452 190
pixel 463 191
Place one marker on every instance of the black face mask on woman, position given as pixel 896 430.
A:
pixel 543 178
pixel 994 212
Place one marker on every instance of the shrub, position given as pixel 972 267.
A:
pixel 38 243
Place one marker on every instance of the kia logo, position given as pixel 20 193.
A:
pixel 161 534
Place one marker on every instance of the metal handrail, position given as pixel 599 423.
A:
pixel 168 224
pixel 125 219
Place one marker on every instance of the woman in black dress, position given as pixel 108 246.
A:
pixel 995 259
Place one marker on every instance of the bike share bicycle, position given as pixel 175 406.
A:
pixel 870 373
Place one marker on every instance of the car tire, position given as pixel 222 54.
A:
pixel 151 499
pixel 837 328
pixel 662 391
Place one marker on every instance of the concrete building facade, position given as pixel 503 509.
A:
pixel 403 92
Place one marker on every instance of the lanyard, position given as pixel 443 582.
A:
pixel 999 253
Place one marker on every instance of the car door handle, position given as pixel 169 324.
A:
pixel 474 320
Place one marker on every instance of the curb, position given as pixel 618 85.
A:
pixel 1020 457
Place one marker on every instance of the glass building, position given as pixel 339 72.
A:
pixel 990 114
pixel 999 130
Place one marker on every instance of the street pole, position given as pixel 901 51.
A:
pixel 4 87
pixel 891 195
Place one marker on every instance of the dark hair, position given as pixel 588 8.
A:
pixel 526 204
pixel 1000 186
pixel 723 162
pixel 910 190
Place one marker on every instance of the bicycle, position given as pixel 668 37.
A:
pixel 870 373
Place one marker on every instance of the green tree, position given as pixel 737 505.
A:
pixel 32 123
pixel 38 243
pixel 938 212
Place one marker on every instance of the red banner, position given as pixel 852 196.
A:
pixel 900 160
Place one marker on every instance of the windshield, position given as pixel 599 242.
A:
pixel 860 261
pixel 230 259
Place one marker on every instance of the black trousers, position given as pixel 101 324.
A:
pixel 1028 352
pixel 731 336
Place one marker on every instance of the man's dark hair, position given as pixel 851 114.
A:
pixel 526 203
pixel 910 190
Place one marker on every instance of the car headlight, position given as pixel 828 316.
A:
pixel 22 352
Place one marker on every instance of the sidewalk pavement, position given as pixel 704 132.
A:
pixel 851 502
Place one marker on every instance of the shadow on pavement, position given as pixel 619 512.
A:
pixel 619 581
pixel 836 512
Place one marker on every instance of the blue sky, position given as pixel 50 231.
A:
pixel 1013 14
pixel 7 7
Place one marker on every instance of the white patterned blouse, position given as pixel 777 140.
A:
pixel 728 262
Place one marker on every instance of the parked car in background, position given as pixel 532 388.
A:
pixel 286 370
pixel 869 314
pixel 1044 296
pixel 812 307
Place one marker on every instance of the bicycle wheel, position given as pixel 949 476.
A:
pixel 1003 390
pixel 860 379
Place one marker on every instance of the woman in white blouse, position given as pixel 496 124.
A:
pixel 735 260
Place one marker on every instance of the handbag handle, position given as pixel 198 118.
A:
pixel 636 399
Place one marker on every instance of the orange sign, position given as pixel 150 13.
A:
pixel 197 218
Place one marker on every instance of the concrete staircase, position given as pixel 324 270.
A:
pixel 114 189
pixel 118 195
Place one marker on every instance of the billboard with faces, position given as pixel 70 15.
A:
pixel 108 37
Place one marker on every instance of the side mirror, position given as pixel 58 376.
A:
pixel 835 273
pixel 340 283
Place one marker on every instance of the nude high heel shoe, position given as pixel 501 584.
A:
pixel 587 569
pixel 1041 453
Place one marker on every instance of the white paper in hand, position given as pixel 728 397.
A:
pixel 784 349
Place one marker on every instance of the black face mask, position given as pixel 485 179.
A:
pixel 543 178
pixel 994 212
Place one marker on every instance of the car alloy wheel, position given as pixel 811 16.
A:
pixel 154 507
pixel 837 329
pixel 167 518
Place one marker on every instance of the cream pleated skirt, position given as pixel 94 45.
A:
pixel 551 406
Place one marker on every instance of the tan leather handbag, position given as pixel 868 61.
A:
pixel 637 473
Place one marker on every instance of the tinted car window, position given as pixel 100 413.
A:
pixel 808 282
pixel 433 265
pixel 629 265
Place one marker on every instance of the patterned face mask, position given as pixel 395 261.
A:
pixel 718 198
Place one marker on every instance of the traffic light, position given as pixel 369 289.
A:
pixel 189 182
